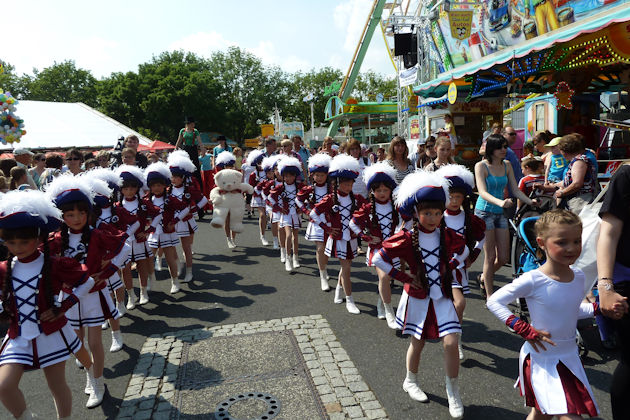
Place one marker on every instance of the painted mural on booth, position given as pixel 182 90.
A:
pixel 470 32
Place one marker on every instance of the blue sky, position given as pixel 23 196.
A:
pixel 114 35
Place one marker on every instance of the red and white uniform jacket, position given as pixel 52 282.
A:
pixel 171 209
pixel 192 195
pixel 282 198
pixel 130 220
pixel 309 195
pixel 327 214
pixel 381 228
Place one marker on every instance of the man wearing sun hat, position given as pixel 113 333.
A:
pixel 24 158
pixel 556 164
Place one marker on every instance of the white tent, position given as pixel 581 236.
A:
pixel 51 125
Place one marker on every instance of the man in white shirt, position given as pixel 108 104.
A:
pixel 24 159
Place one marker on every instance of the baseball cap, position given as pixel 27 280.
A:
pixel 22 151
pixel 553 142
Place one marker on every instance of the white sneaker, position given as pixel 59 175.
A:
pixel 283 255
pixel 78 363
pixel 158 263
pixel 117 342
pixel 131 299
pixel 89 382
pixel 98 392
pixel 459 347
pixel 296 261
pixel 150 281
pixel 380 309
pixel 287 264
pixel 351 307
pixel 414 391
pixel 230 243
pixel 264 241
pixel 390 316
pixel 455 404
pixel 275 243
pixel 122 310
pixel 174 286
pixel 189 275
pixel 144 296
pixel 324 281
pixel 338 294
pixel 104 325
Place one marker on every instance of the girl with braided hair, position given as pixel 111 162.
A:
pixel 137 217
pixel 432 252
pixel 39 335
pixel 380 218
pixel 270 165
pixel 333 214
pixel 306 198
pixel 282 199
pixel 261 190
pixel 184 187
pixel 103 252
pixel 254 159
pixel 459 217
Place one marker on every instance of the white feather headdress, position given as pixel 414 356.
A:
pixel 319 162
pixel 379 172
pixel 157 170
pixel 459 176
pixel 344 166
pixel 420 186
pixel 34 204
pixel 125 171
pixel 225 158
pixel 105 174
pixel 288 162
pixel 254 156
pixel 66 188
pixel 269 162
pixel 180 159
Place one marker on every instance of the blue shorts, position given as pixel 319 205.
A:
pixel 493 220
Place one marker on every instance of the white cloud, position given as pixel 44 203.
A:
pixel 202 43
pixel 97 54
pixel 267 52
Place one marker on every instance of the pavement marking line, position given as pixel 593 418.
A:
pixel 297 360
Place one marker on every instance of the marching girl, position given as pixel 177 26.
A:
pixel 338 206
pixel 459 217
pixel 551 375
pixel 105 204
pixel 306 198
pixel 39 335
pixel 165 237
pixel 102 200
pixel 254 159
pixel 432 252
pixel 282 199
pixel 103 252
pixel 264 187
pixel 226 160
pixel 184 187
pixel 381 219
pixel 132 215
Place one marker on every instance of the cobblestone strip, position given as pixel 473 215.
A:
pixel 344 393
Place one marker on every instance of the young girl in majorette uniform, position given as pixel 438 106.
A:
pixel 103 252
pixel 226 160
pixel 184 187
pixel 459 217
pixel 307 197
pixel 551 375
pixel 432 252
pixel 165 237
pixel 39 334
pixel 115 283
pixel 102 200
pixel 338 206
pixel 380 217
pixel 138 217
pixel 264 188
pixel 254 159
pixel 282 199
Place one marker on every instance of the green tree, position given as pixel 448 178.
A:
pixel 369 84
pixel 11 81
pixel 62 82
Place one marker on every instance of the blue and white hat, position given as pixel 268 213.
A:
pixel 421 186
pixel 459 176
pixel 30 208
pixel 269 163
pixel 158 171
pixel 102 192
pixel 344 166
pixel 289 165
pixel 379 172
pixel 131 173
pixel 255 157
pixel 180 164
pixel 224 159
pixel 319 162
pixel 67 188
pixel 105 174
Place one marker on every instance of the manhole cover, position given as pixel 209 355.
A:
pixel 252 405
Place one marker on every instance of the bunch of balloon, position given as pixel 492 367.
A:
pixel 11 126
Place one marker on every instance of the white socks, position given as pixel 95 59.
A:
pixel 296 261
pixel 411 387
pixel 144 296
pixel 263 240
pixel 390 316
pixel 131 299
pixel 339 294
pixel 455 404
pixel 275 243
pixel 324 280
pixel 351 307
pixel 174 285
pixel 380 309
pixel 189 275
pixel 117 341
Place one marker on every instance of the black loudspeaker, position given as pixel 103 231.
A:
pixel 411 59
pixel 402 44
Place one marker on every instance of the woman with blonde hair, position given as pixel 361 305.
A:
pixel 398 158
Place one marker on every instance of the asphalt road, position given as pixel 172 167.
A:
pixel 250 284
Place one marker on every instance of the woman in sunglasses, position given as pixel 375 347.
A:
pixel 74 159
pixel 39 160
pixel 492 175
